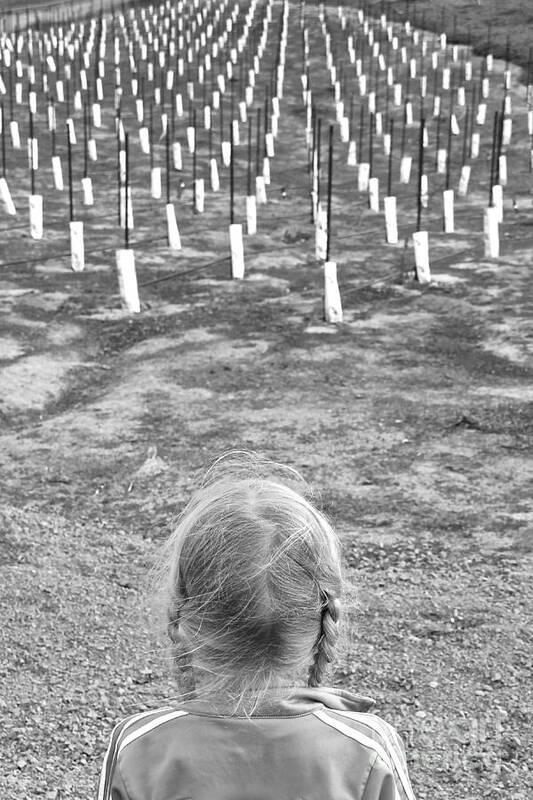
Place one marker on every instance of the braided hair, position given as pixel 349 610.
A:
pixel 326 642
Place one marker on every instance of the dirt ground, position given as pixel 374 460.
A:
pixel 413 418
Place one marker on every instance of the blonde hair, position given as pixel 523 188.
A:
pixel 253 579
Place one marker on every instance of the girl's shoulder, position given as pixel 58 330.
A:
pixel 125 733
pixel 351 717
pixel 136 725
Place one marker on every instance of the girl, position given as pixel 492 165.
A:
pixel 253 583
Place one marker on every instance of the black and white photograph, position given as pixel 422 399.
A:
pixel 266 400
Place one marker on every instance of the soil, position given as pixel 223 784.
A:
pixel 413 418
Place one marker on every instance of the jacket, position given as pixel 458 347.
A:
pixel 316 744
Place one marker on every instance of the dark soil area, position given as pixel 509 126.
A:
pixel 502 28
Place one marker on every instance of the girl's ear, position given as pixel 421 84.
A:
pixel 174 608
pixel 173 631
pixel 182 591
pixel 173 626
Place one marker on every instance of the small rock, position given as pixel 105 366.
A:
pixel 152 466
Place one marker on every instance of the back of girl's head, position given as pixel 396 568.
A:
pixel 253 578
